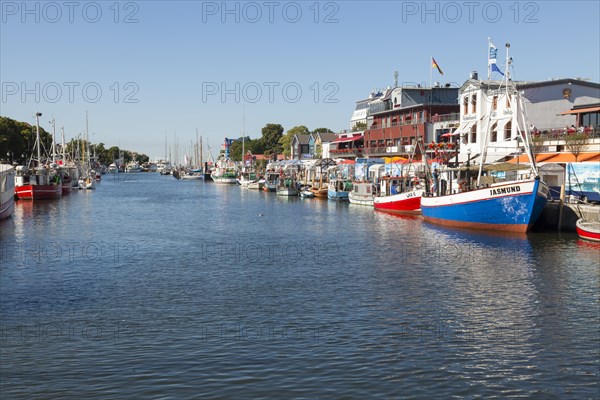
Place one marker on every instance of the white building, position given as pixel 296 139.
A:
pixel 485 109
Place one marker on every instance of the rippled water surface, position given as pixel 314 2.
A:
pixel 148 287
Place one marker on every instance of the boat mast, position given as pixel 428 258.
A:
pixel 62 137
pixel 196 149
pixel 243 137
pixel 87 147
pixel 201 159
pixel 37 137
pixel 53 140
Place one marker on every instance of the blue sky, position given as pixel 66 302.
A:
pixel 162 67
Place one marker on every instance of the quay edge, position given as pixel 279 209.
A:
pixel 571 213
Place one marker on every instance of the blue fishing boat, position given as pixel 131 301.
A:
pixel 505 206
pixel 493 195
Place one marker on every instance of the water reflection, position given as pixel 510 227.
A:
pixel 390 302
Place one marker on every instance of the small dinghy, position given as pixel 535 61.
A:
pixel 589 230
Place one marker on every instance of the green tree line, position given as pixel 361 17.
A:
pixel 272 141
pixel 17 142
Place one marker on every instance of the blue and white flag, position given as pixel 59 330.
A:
pixel 492 59
pixel 496 69
pixel 493 54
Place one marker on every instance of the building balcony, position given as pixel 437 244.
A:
pixel 352 152
pixel 388 150
pixel 446 117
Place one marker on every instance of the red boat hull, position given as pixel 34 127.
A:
pixel 588 234
pixel 399 204
pixel 38 192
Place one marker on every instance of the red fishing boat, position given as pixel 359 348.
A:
pixel 399 195
pixel 39 184
pixel 42 182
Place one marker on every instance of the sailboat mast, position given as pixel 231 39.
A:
pixel 166 159
pixel 87 147
pixel 197 150
pixel 243 136
pixel 37 137
pixel 62 138
pixel 53 140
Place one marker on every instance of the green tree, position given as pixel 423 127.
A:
pixel 359 126
pixel 112 154
pixel 142 158
pixel 271 133
pixel 235 151
pixel 17 141
pixel 286 140
pixel 322 130
pixel 127 156
pixel 101 153
pixel 12 143
pixel 256 146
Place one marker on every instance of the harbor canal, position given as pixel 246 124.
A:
pixel 149 287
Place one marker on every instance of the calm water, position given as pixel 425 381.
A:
pixel 150 287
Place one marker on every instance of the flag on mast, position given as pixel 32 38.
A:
pixel 434 64
pixel 492 59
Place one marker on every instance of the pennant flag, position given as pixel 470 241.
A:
pixel 435 65
pixel 493 54
pixel 496 69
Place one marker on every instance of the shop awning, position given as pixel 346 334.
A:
pixel 570 158
pixel 348 139
pixel 523 158
pixel 464 127
pixel 558 158
pixel 396 160
pixel 581 111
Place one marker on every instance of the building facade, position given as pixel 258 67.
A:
pixel 487 109
pixel 404 115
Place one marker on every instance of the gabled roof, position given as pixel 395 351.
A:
pixel 326 137
pixel 302 139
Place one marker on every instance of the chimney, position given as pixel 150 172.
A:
pixel 474 75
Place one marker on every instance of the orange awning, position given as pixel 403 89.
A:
pixel 558 157
pixel 523 158
pixel 570 158
pixel 589 157
pixel 595 158
pixel 581 111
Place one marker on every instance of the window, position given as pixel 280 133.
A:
pixel 474 104
pixel 465 105
pixel 474 134
pixel 494 132
pixel 495 103
pixel 591 119
pixel 507 130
